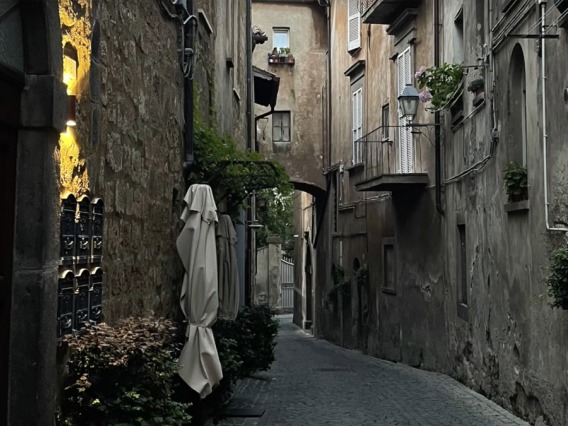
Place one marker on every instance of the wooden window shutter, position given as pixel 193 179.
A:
pixel 354 25
pixel 405 140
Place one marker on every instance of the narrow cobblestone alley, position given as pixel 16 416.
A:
pixel 314 382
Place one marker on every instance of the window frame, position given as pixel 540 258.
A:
pixel 356 123
pixel 405 157
pixel 389 286
pixel 282 30
pixel 274 115
pixel 353 18
pixel 385 121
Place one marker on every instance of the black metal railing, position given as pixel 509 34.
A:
pixel 365 5
pixel 379 155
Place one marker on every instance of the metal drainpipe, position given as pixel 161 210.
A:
pixel 438 149
pixel 329 102
pixel 188 108
pixel 251 257
pixel 542 4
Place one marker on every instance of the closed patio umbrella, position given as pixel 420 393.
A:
pixel 199 364
pixel 227 267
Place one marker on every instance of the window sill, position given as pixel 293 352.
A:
pixel 280 60
pixel 518 207
pixel 463 311
pixel 390 291
pixel 355 167
pixel 346 206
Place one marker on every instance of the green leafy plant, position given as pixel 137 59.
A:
pixel 277 217
pixel 362 276
pixel 515 177
pixel 123 375
pixel 232 173
pixel 253 334
pixel 341 282
pixel 440 85
pixel 558 278
pixel 476 85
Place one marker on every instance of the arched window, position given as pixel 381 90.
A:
pixel 517 114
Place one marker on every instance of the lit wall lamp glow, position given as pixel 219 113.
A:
pixel 71 110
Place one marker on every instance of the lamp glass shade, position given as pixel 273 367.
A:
pixel 408 101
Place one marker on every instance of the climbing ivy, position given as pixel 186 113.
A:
pixel 232 173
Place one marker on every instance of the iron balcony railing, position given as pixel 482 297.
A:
pixel 365 5
pixel 379 154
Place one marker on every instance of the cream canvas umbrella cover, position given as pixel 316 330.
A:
pixel 199 364
pixel 228 269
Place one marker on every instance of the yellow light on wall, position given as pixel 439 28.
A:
pixel 71 110
pixel 70 79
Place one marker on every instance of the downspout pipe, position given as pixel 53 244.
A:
pixel 437 138
pixel 250 265
pixel 188 104
pixel 542 4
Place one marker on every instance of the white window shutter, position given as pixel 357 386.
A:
pixel 357 125
pixel 405 140
pixel 354 25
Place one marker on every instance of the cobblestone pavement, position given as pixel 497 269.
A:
pixel 314 382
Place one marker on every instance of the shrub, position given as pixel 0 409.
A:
pixel 123 375
pixel 558 278
pixel 246 344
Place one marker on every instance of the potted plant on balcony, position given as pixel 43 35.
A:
pixel 477 87
pixel 440 85
pixel 515 177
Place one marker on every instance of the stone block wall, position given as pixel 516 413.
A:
pixel 127 146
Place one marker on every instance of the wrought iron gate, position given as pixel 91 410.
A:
pixel 287 282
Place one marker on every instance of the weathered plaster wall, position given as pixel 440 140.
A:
pixel 301 87
pixel 510 346
pixel 505 341
pixel 266 290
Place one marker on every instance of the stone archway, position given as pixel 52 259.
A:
pixel 32 114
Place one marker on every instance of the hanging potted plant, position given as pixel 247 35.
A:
pixel 440 85
pixel 477 87
pixel 515 177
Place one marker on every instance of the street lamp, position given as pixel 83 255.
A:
pixel 408 101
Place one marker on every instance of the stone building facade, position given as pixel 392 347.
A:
pixel 456 272
pixel 294 132
pixel 115 74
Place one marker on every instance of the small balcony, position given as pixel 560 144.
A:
pixel 384 11
pixel 383 170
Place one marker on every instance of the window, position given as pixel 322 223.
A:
pixel 405 141
pixel 281 126
pixel 354 25
pixel 385 121
pixel 518 107
pixel 281 38
pixel 456 108
pixel 357 124
pixel 389 266
pixel 462 265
